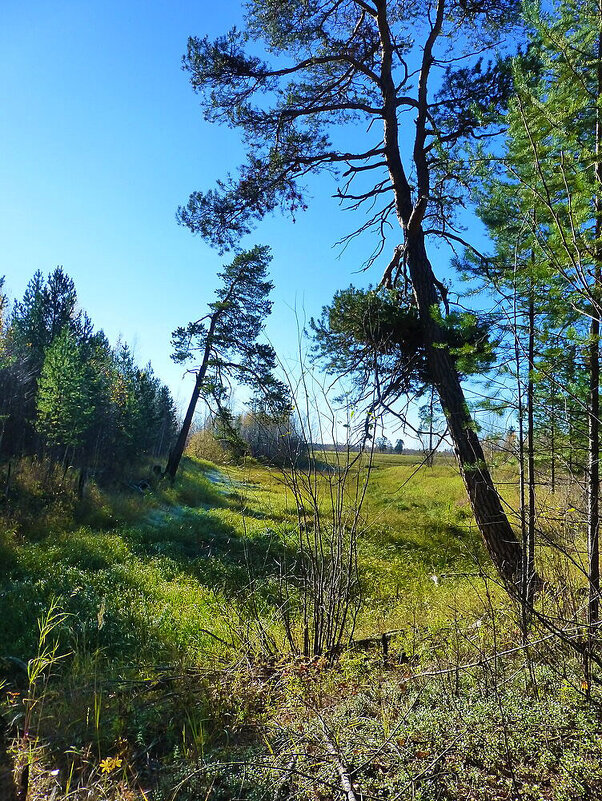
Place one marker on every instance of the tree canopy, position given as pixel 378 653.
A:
pixel 411 80
pixel 65 390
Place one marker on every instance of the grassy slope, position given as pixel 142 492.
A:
pixel 420 544
pixel 158 586
pixel 142 575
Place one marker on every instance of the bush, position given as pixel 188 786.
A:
pixel 204 445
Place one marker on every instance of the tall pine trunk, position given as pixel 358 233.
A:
pixel 492 521
pixel 593 471
pixel 593 476
pixel 529 544
pixel 500 540
pixel 176 453
pixel 526 454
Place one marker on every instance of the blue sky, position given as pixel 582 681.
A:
pixel 101 139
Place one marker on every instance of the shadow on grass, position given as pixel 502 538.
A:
pixel 204 546
pixel 139 589
pixel 196 486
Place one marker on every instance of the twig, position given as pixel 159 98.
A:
pixel 344 774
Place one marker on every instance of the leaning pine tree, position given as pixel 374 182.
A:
pixel 369 63
pixel 224 342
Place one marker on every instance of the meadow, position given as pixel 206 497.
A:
pixel 145 651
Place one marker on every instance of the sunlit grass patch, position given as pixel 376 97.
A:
pixel 228 528
pixel 193 486
pixel 143 588
pixel 174 604
pixel 421 550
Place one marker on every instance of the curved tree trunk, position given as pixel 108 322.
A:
pixel 498 535
pixel 176 453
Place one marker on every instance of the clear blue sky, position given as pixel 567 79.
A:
pixel 101 139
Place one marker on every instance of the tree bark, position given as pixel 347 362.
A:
pixel 593 491
pixel 500 540
pixel 593 476
pixel 593 472
pixel 553 447
pixel 498 535
pixel 529 546
pixel 176 453
pixel 522 469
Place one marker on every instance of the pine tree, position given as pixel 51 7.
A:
pixel 226 341
pixel 354 62
pixel 48 307
pixel 550 236
pixel 64 406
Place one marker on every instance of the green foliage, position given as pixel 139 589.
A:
pixel 170 602
pixel 243 304
pixel 539 204
pixel 227 432
pixel 47 308
pixel 468 339
pixel 226 338
pixel 64 403
pixel 371 320
pixel 364 331
pixel 480 738
pixel 64 385
pixel 290 117
pixel 225 343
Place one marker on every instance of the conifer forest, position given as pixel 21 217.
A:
pixel 369 571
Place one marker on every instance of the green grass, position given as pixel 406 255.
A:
pixel 145 574
pixel 172 603
pixel 142 582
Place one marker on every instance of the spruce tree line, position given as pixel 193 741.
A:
pixel 542 204
pixel 67 394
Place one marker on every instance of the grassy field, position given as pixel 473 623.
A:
pixel 164 666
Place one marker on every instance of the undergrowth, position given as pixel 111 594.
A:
pixel 168 675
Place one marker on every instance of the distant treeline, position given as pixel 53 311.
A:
pixel 341 446
pixel 66 393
